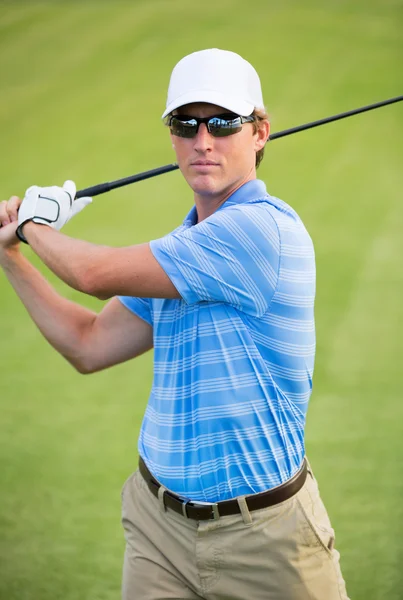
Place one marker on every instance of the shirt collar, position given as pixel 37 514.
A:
pixel 248 192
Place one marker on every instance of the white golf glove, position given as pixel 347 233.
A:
pixel 53 206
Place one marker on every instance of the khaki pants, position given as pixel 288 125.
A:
pixel 284 552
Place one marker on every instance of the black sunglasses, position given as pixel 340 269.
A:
pixel 218 126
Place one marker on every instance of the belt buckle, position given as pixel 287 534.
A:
pixel 215 514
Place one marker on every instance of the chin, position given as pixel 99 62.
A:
pixel 204 185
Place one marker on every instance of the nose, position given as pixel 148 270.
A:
pixel 203 140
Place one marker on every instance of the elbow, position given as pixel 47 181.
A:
pixel 101 295
pixel 82 360
pixel 82 369
pixel 88 361
pixel 91 283
pixel 81 365
pixel 86 366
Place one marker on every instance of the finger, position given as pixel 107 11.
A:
pixel 4 219
pixel 33 188
pixel 12 227
pixel 79 204
pixel 70 187
pixel 12 208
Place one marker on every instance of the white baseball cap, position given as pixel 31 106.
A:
pixel 218 77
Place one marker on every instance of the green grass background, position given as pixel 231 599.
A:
pixel 83 85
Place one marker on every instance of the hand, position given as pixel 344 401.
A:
pixel 53 206
pixel 9 222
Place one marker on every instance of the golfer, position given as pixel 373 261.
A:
pixel 224 505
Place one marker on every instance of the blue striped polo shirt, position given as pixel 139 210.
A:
pixel 234 357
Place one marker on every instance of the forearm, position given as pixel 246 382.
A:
pixel 63 323
pixel 71 260
pixel 100 271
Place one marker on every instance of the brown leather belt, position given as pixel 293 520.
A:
pixel 203 512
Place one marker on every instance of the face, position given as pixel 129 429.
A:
pixel 215 167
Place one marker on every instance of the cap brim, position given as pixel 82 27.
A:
pixel 235 105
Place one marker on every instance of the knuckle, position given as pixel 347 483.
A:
pixel 15 202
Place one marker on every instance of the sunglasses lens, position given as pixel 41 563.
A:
pixel 183 128
pixel 218 126
pixel 221 127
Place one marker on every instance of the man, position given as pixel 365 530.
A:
pixel 224 504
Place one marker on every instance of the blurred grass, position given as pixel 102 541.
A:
pixel 82 89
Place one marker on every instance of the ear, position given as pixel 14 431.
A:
pixel 262 135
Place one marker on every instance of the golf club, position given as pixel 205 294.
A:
pixel 101 188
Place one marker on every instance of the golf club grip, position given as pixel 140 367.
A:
pixel 101 188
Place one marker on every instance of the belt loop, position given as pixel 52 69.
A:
pixel 308 467
pixel 161 492
pixel 184 509
pixel 243 507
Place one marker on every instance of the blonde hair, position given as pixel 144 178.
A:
pixel 260 115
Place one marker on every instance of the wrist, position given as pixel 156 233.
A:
pixel 9 255
pixel 27 226
pixel 27 229
pixel 20 234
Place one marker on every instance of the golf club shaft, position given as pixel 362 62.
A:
pixel 101 188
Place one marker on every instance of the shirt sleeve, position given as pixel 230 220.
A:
pixel 139 306
pixel 232 257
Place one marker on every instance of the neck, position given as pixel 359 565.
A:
pixel 207 204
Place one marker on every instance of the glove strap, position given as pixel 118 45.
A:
pixel 19 233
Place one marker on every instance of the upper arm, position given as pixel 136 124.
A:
pixel 116 335
pixel 128 271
